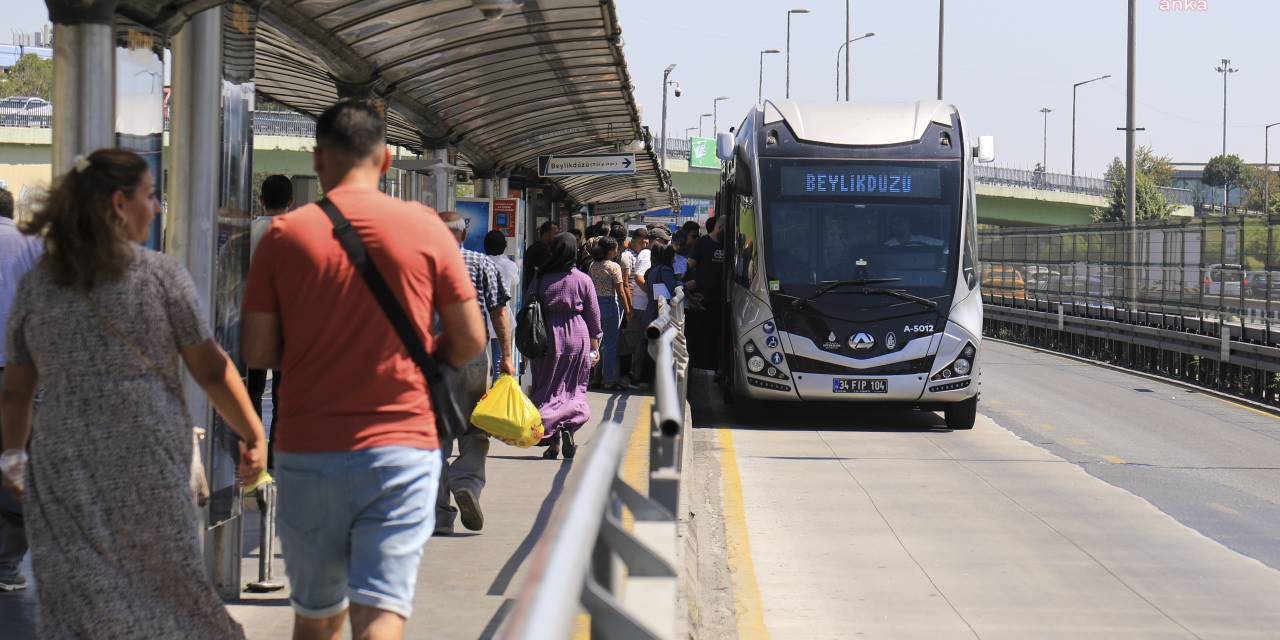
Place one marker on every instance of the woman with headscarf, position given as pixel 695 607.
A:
pixel 573 319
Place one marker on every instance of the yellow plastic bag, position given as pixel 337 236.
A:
pixel 508 415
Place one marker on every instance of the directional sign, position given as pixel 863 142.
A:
pixel 614 208
pixel 585 165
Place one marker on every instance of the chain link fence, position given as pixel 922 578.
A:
pixel 1198 300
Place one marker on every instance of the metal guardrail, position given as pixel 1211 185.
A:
pixel 585 545
pixel 989 174
pixel 266 123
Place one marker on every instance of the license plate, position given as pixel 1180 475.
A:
pixel 860 385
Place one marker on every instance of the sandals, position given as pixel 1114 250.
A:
pixel 567 444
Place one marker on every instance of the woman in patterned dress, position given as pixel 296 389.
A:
pixel 573 321
pixel 100 323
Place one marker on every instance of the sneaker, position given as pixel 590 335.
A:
pixel 15 583
pixel 469 509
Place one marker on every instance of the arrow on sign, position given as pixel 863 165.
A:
pixel 586 164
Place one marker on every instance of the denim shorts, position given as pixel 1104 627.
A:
pixel 352 525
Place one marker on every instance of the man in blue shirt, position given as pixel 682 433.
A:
pixel 18 253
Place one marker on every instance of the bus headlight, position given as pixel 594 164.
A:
pixel 961 366
pixel 755 364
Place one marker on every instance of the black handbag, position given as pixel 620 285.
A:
pixel 533 340
pixel 450 420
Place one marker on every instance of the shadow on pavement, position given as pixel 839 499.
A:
pixel 503 579
pixel 710 411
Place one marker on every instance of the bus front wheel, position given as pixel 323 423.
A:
pixel 962 415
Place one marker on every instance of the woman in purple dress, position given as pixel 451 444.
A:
pixel 573 320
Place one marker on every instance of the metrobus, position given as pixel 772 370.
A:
pixel 851 260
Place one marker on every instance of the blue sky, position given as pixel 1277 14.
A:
pixel 1005 59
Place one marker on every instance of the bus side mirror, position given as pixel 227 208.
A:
pixel 986 149
pixel 724 146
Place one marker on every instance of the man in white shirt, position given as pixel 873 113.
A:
pixel 18 254
pixel 636 261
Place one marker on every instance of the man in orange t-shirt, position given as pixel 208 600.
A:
pixel 357 440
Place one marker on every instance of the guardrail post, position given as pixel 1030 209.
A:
pixel 1226 340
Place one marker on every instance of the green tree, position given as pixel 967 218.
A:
pixel 1253 199
pixel 1225 172
pixel 30 76
pixel 1154 171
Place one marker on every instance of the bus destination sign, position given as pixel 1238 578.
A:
pixel 862 180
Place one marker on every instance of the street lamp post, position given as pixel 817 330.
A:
pixel 846 47
pixel 1266 168
pixel 687 130
pixel 1044 149
pixel 700 119
pixel 666 73
pixel 789 12
pixel 1073 117
pixel 715 117
pixel 942 14
pixel 847 35
pixel 1226 71
pixel 760 86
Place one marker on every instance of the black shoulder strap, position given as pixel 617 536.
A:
pixel 350 240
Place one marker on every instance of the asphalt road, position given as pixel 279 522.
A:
pixel 1084 503
pixel 1212 465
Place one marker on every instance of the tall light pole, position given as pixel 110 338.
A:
pixel 846 47
pixel 1073 117
pixel 942 19
pixel 1226 72
pixel 700 119
pixel 1044 149
pixel 715 117
pixel 666 82
pixel 760 86
pixel 1266 167
pixel 1131 155
pixel 847 35
pixel 687 130
pixel 789 12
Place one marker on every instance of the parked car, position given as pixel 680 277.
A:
pixel 25 111
pixel 24 103
pixel 1004 281
pixel 1262 283
pixel 1224 280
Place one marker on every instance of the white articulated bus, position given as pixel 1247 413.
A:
pixel 851 264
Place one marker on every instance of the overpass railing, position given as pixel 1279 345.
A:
pixel 1199 300
pixel 269 123
pixel 586 547
pixel 1043 180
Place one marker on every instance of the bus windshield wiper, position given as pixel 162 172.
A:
pixel 902 295
pixel 831 285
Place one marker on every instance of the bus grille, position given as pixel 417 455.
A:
pixel 799 364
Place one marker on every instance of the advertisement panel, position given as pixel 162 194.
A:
pixel 505 212
pixel 476 212
pixel 702 153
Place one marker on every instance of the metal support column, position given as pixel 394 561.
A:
pixel 84 114
pixel 195 173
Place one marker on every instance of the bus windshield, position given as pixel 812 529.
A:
pixel 831 220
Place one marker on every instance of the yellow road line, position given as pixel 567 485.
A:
pixel 749 612
pixel 635 463
pixel 1079 442
pixel 1115 459
pixel 1218 506
pixel 1046 426
pixel 635 472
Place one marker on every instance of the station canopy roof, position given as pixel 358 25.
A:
pixel 548 77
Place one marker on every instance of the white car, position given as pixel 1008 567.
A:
pixel 1224 280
